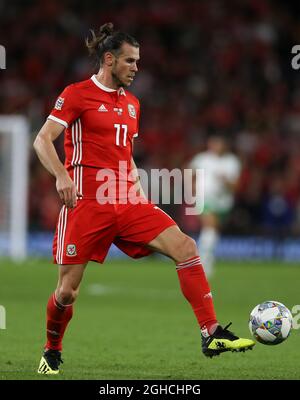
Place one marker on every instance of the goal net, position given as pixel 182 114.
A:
pixel 14 166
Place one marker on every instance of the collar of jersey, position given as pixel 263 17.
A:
pixel 105 88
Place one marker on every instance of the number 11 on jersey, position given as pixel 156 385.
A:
pixel 118 132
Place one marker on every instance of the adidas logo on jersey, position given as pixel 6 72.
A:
pixel 102 108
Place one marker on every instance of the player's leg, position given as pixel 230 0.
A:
pixel 149 225
pixel 69 280
pixel 208 240
pixel 183 250
pixel 60 303
pixel 78 234
pixel 59 314
pixel 144 228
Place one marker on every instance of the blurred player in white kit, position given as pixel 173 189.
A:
pixel 221 174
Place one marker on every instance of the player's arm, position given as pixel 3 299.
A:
pixel 231 184
pixel 232 175
pixel 193 165
pixel 48 156
pixel 135 176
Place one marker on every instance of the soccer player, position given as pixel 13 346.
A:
pixel 221 173
pixel 100 119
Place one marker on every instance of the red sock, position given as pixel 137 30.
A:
pixel 196 290
pixel 58 317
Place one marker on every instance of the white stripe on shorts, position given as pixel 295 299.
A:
pixel 61 231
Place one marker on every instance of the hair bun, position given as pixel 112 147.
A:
pixel 107 29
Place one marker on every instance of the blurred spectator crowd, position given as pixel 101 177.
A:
pixel 206 67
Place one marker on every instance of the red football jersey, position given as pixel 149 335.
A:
pixel 100 126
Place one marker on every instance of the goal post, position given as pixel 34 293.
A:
pixel 14 167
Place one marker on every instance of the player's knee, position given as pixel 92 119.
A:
pixel 186 249
pixel 66 295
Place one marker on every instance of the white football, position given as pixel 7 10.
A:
pixel 270 322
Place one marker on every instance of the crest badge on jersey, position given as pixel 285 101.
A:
pixel 131 111
pixel 71 250
pixel 59 103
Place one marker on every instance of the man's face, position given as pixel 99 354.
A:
pixel 217 145
pixel 124 65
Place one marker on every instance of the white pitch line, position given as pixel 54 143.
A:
pixel 96 289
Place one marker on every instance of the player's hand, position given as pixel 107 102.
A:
pixel 67 190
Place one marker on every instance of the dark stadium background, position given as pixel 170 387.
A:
pixel 206 67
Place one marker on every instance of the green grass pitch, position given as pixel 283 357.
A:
pixel 132 322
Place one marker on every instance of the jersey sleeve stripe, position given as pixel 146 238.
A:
pixel 60 121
